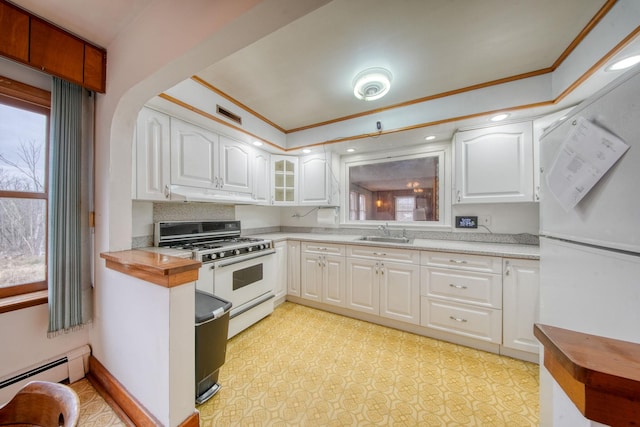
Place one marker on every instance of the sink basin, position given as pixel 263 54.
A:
pixel 385 239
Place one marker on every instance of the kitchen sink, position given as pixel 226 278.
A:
pixel 385 239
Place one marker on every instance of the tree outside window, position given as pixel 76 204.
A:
pixel 23 196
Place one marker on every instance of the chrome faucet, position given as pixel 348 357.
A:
pixel 385 229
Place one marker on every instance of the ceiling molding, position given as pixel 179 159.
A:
pixel 236 102
pixel 572 87
pixel 586 30
pixel 576 41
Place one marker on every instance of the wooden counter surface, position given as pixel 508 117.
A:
pixel 164 270
pixel 600 375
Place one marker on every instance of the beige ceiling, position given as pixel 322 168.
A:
pixel 302 74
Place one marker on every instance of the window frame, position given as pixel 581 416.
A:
pixel 33 99
pixel 440 150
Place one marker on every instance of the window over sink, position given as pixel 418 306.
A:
pixel 407 189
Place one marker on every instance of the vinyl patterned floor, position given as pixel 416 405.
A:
pixel 305 367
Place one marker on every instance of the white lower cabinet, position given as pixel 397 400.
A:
pixel 293 268
pixel 281 270
pixel 521 282
pixel 381 287
pixel 323 273
pixel 465 298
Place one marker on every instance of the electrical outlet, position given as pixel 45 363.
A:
pixel 484 220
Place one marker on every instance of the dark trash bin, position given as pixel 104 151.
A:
pixel 212 330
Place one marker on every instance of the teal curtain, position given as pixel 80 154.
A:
pixel 68 250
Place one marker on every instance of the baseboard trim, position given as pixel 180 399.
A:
pixel 132 412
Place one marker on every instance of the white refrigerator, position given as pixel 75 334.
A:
pixel 590 253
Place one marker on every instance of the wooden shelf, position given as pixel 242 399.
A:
pixel 600 375
pixel 164 270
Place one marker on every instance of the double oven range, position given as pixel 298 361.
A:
pixel 234 268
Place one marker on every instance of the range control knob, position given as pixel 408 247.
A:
pixel 250 249
pixel 221 254
pixel 213 256
pixel 236 251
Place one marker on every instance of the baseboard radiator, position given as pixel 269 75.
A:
pixel 71 366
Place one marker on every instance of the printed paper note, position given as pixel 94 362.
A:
pixel 587 153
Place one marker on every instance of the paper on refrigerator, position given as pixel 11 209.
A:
pixel 587 153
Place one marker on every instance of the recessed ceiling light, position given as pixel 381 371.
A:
pixel 306 151
pixel 257 143
pixel 430 137
pixel 624 63
pixel 350 150
pixel 372 84
pixel 499 117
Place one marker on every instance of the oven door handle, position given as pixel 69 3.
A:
pixel 233 261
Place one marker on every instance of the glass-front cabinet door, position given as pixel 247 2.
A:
pixel 285 180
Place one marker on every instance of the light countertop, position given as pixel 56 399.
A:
pixel 458 246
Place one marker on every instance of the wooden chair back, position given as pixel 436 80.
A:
pixel 43 404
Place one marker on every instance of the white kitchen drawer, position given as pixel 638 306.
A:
pixel 467 287
pixel 475 322
pixel 323 248
pixel 486 264
pixel 388 254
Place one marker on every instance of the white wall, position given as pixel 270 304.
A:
pixel 258 216
pixel 506 218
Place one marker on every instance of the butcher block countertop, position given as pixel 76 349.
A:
pixel 458 246
pixel 163 270
pixel 600 375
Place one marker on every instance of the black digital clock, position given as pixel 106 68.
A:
pixel 466 222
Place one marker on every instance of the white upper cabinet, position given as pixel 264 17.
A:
pixel 261 175
pixel 193 155
pixel 284 171
pixel 203 159
pixel 152 155
pixel 494 165
pixel 316 180
pixel 236 159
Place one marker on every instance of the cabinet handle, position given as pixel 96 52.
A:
pixel 458 261
pixel 459 196
pixel 215 181
pixel 458 319
pixel 538 192
pixel 377 267
pixel 221 182
pixel 379 254
pixel 457 286
pixel 382 268
pixel 167 191
pixel 508 270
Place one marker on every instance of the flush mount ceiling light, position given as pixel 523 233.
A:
pixel 624 63
pixel 430 138
pixel 257 143
pixel 372 84
pixel 499 117
pixel 306 151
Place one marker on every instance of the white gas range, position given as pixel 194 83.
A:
pixel 237 269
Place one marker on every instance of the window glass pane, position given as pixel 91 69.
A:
pixel 22 241
pixel 397 190
pixel 404 208
pixel 23 137
pixel 363 207
pixel 353 205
